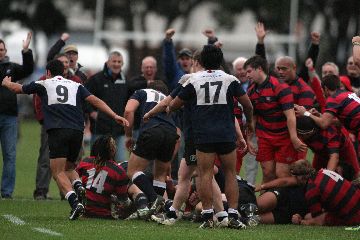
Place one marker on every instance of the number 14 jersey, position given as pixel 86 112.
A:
pixel 211 96
pixel 61 101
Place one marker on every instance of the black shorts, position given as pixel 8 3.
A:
pixel 190 153
pixel 156 143
pixel 220 148
pixel 65 143
pixel 290 200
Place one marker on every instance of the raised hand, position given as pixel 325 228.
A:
pixel 209 33
pixel 169 33
pixel 26 42
pixel 315 38
pixel 309 63
pixel 65 36
pixel 260 32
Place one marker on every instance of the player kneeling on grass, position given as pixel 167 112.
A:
pixel 61 101
pixel 102 178
pixel 156 141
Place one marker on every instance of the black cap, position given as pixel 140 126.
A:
pixel 185 52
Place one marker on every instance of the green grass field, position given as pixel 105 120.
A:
pixel 24 218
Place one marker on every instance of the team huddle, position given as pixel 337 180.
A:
pixel 215 117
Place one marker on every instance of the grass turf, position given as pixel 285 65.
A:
pixel 51 216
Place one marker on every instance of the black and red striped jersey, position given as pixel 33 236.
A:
pixel 100 182
pixel 346 107
pixel 326 141
pixel 303 94
pixel 331 192
pixel 270 99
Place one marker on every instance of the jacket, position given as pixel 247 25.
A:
pixel 114 92
pixel 8 100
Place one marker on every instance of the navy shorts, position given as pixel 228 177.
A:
pixel 65 143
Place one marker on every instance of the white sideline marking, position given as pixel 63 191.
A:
pixel 14 219
pixel 17 221
pixel 47 231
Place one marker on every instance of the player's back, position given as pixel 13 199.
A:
pixel 148 99
pixel 212 106
pixel 62 101
pixel 337 194
pixel 100 182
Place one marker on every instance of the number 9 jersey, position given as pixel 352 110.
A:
pixel 62 101
pixel 211 96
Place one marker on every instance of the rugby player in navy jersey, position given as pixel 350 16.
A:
pixel 210 93
pixel 62 101
pixel 340 104
pixel 188 162
pixel 156 141
pixel 278 144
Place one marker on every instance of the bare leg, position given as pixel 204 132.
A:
pixel 266 202
pixel 205 163
pixel 282 170
pixel 268 169
pixel 231 188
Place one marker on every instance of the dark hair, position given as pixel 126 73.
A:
pixel 55 67
pixel 305 125
pixel 332 82
pixel 160 86
pixel 2 42
pixel 196 55
pixel 211 57
pixel 256 62
pixel 103 149
pixel 59 55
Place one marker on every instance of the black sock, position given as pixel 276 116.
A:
pixel 76 184
pixel 143 182
pixel 159 187
pixel 171 214
pixel 207 214
pixel 72 199
pixel 141 201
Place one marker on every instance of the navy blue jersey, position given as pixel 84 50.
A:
pixel 210 94
pixel 148 98
pixel 186 110
pixel 61 102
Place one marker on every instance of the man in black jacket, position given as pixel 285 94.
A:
pixel 9 111
pixel 110 86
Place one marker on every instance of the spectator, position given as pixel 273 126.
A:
pixel 174 70
pixel 9 111
pixel 72 53
pixel 110 86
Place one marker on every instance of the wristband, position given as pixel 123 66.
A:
pixel 307 114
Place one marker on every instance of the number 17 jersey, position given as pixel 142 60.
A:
pixel 61 102
pixel 211 95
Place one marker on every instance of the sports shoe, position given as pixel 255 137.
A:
pixel 161 218
pixel 141 213
pixel 157 205
pixel 81 194
pixel 207 224
pixel 236 224
pixel 354 228
pixel 223 223
pixel 252 221
pixel 77 212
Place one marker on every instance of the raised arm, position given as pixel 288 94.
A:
pixel 260 35
pixel 56 48
pixel 313 53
